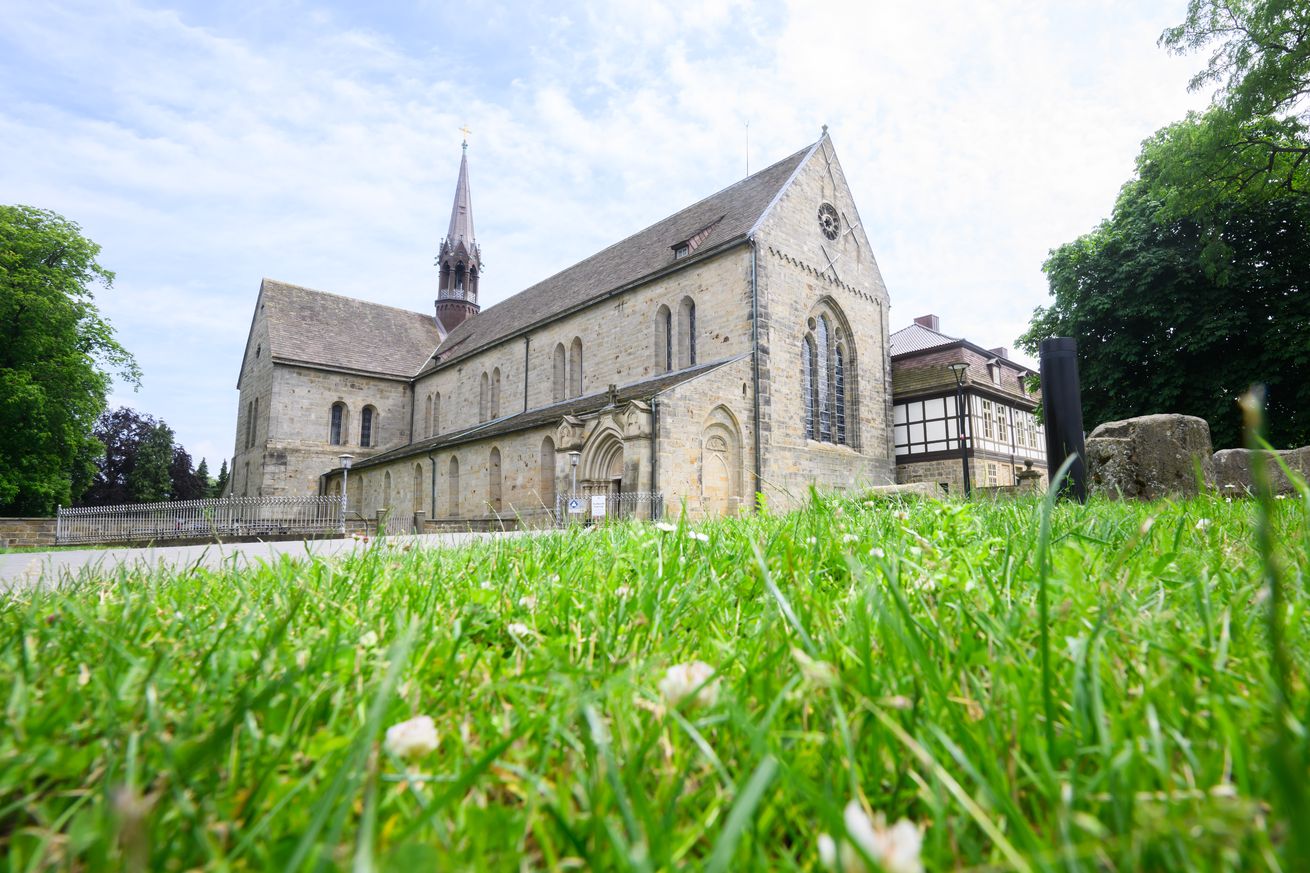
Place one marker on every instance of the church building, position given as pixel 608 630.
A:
pixel 736 348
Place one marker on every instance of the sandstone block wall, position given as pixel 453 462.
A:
pixel 618 343
pixel 26 532
pixel 798 270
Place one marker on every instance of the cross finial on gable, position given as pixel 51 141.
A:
pixel 465 130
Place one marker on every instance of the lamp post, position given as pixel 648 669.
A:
pixel 345 474
pixel 959 368
pixel 574 457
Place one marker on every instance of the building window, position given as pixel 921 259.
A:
pixel 493 480
pixel 484 396
pixel 427 416
pixel 575 368
pixel 826 370
pixel 681 250
pixel 337 427
pixel 663 339
pixel 250 424
pixel 546 474
pixel 436 418
pixel 561 373
pixel 686 333
pixel 452 488
pixel 495 393
pixel 416 501
pixel 368 427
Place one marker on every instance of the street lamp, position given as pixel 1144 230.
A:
pixel 345 474
pixel 959 368
pixel 574 457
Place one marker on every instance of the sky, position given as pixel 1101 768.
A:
pixel 205 146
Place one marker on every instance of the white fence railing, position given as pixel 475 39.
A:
pixel 590 508
pixel 199 519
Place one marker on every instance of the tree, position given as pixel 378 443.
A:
pixel 202 476
pixel 185 482
pixel 1255 135
pixel 220 484
pixel 55 351
pixel 1180 313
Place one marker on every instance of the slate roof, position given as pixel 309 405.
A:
pixel 314 327
pixel 917 338
pixel 733 212
pixel 643 390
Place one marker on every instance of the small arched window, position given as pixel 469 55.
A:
pixel 436 415
pixel 484 396
pixel 560 374
pixel 386 490
pixel 427 416
pixel 575 368
pixel 368 427
pixel 250 424
pixel 546 480
pixel 493 480
pixel 336 429
pixel 495 393
pixel 452 488
pixel 663 339
pixel 416 501
pixel 686 333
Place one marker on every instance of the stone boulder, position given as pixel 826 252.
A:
pixel 1232 471
pixel 1150 456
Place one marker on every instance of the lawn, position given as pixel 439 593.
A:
pixel 877 652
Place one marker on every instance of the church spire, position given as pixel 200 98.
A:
pixel 460 258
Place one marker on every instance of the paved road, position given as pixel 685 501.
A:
pixel 24 569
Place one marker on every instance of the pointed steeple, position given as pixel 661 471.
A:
pixel 460 258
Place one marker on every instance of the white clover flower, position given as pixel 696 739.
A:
pixel 665 526
pixel 485 585
pixel 1279 497
pixel 369 640
pixel 850 538
pixel 83 675
pixel 1147 523
pixel 528 602
pixel 411 739
pixel 682 679
pixel 518 629
pixel 877 552
pixel 698 537
pixel 901 515
pixel 895 849
pixel 623 592
pixel 1202 523
pixel 812 540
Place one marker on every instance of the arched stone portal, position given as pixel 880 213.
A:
pixel 720 472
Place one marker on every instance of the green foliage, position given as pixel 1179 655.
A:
pixel 149 480
pixel 232 719
pixel 1255 137
pixel 1182 314
pixel 220 484
pixel 55 350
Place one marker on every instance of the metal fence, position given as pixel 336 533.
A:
pixel 199 519
pixel 593 508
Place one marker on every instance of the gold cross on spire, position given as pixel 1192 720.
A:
pixel 465 130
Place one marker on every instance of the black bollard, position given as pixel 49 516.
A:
pixel 1062 406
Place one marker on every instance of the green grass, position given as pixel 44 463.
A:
pixel 233 720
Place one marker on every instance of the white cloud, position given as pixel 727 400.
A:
pixel 205 154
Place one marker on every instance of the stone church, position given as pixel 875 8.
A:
pixel 737 347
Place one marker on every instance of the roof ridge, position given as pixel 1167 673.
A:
pixel 345 297
pixel 642 230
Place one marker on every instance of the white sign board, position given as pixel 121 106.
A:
pixel 575 506
pixel 598 506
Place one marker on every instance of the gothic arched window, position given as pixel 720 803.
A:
pixel 826 370
pixel 495 393
pixel 368 427
pixel 452 488
pixel 560 373
pixel 493 480
pixel 484 396
pixel 686 333
pixel 575 368
pixel 663 339
pixel 436 417
pixel 338 424
pixel 427 416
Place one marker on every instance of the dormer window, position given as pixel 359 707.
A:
pixel 690 244
pixel 681 250
pixel 994 370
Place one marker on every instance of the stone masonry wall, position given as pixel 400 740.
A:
pixel 618 342
pixel 798 270
pixel 688 415
pixel 256 381
pixel 26 532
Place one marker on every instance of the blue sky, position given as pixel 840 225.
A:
pixel 208 145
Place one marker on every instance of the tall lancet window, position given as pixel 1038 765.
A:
pixel 459 277
pixel 827 357
pixel 807 384
pixel 821 364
